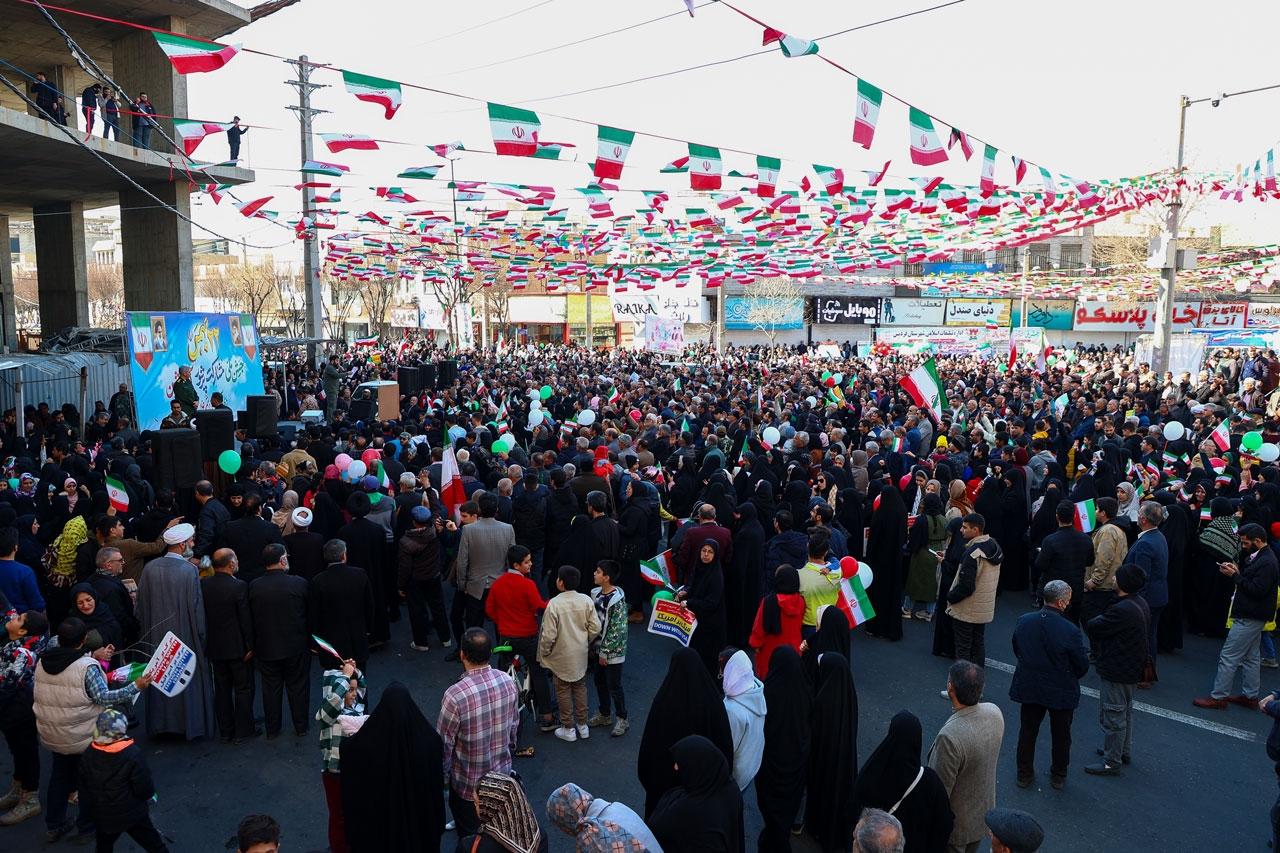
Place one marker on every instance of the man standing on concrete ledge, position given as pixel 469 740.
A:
pixel 142 123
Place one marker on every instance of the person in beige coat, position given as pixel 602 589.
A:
pixel 569 627
pixel 965 754
pixel 971 601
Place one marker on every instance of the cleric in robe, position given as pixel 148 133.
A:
pixel 169 600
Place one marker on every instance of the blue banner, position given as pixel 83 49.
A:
pixel 743 313
pixel 222 351
pixel 950 267
pixel 1046 313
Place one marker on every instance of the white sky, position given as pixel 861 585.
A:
pixel 1089 89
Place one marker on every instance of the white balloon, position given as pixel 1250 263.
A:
pixel 357 469
pixel 536 404
pixel 1174 430
pixel 508 440
pixel 586 417
pixel 865 575
pixel 771 436
pixel 535 395
pixel 535 418
pixel 811 400
pixel 1269 452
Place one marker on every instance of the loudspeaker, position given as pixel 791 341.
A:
pixel 262 413
pixel 448 372
pixel 177 458
pixel 217 430
pixel 410 380
pixel 360 410
pixel 427 375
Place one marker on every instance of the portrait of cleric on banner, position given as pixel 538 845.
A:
pixel 221 350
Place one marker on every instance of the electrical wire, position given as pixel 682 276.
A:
pixel 483 24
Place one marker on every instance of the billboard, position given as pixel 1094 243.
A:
pixel 911 312
pixel 845 309
pixel 743 313
pixel 1046 313
pixel 1111 316
pixel 976 311
pixel 221 350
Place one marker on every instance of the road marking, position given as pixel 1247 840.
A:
pixel 1175 716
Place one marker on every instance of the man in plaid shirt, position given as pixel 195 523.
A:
pixel 478 722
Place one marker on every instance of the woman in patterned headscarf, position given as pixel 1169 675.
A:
pixel 588 818
pixel 507 822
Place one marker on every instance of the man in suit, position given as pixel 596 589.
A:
pixel 1150 552
pixel 212 520
pixel 965 754
pixel 278 605
pixel 341 606
pixel 706 528
pixel 482 557
pixel 1064 555
pixel 367 548
pixel 249 535
pixel 229 647
pixel 305 547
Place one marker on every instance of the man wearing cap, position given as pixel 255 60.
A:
pixel 169 599
pixel 304 545
pixel 1014 831
pixel 418 579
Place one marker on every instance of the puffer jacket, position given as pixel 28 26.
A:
pixel 1119 636
pixel 418 556
pixel 120 783
pixel 972 597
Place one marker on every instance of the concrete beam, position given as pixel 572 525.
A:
pixel 156 249
pixel 8 308
pixel 61 269
pixel 141 66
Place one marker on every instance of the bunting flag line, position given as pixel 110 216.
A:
pixel 319 167
pixel 767 179
pixel 926 149
pixel 515 131
pixel 192 133
pixel 866 113
pixel 611 156
pixel 704 167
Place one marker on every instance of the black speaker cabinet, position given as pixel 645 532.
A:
pixel 427 375
pixel 217 430
pixel 263 413
pixel 178 458
pixel 410 379
pixel 448 372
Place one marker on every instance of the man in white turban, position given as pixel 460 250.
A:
pixel 169 599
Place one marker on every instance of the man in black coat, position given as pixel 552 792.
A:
pixel 112 593
pixel 278 605
pixel 1051 661
pixel 249 535
pixel 1119 637
pixel 341 607
pixel 605 535
pixel 305 547
pixel 1064 555
pixel 562 506
pixel 229 645
pixel 212 520
pixel 367 549
pixel 529 518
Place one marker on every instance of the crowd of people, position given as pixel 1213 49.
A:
pixel 1126 509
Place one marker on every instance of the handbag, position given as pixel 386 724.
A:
pixel 910 788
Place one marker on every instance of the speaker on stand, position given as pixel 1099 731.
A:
pixel 262 415
pixel 217 430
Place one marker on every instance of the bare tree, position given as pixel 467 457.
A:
pixel 377 293
pixel 769 303
pixel 343 293
pixel 26 301
pixel 249 288
pixel 452 290
pixel 106 296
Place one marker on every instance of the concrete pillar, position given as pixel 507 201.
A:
pixel 156 249
pixel 61 268
pixel 139 65
pixel 8 308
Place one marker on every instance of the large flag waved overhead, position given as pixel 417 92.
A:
pixel 925 388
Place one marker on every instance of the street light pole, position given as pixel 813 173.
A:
pixel 313 290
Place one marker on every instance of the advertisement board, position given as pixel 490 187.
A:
pixel 948 340
pixel 221 350
pixel 743 313
pixel 664 299
pixel 663 335
pixel 1263 315
pixel 1046 313
pixel 1115 316
pixel 966 311
pixel 858 310
pixel 1223 315
pixel 896 311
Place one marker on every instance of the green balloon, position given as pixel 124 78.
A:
pixel 1051 360
pixel 662 595
pixel 1251 440
pixel 498 447
pixel 826 374
pixel 13 483
pixel 229 461
pixel 544 392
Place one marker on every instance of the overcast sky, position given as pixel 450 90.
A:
pixel 1089 89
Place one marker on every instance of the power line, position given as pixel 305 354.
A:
pixel 475 27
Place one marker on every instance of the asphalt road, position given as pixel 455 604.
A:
pixel 1200 779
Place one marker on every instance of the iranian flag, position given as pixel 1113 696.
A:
pixel 987 183
pixel 249 208
pixel 319 167
pixel 791 45
pixel 658 570
pixel 371 341
pixel 831 177
pixel 1221 435
pixel 676 166
pixel 866 113
pixel 338 142
pixel 1086 516
pixel 612 152
pixel 704 167
pixel 613 395
pixel 767 183
pixel 452 493
pixel 444 149
pixel 1019 168
pixel 1050 185
pixel 425 173
pixel 375 90
pixel 854 596
pixel 925 388
pixel 515 131
pixel 117 495
pixel 189 55
pixel 926 148
pixel 1013 354
pixel 192 133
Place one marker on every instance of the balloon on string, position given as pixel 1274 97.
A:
pixel 342 460
pixel 848 567
pixel 536 404
pixel 826 374
pixel 508 441
pixel 865 575
pixel 534 394
pixel 1251 440
pixel 545 392
pixel 771 436
pixel 586 417
pixel 811 400
pixel 357 469
pixel 635 415
pixel 229 462
pixel 839 378
pixel 535 418
pixel 1269 452
pixel 498 446
pixel 370 456
pixel 662 595
pixel 1174 430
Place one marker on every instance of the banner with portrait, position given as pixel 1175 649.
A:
pixel 222 351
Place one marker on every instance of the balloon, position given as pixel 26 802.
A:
pixel 533 394
pixel 662 595
pixel 535 405
pixel 535 418
pixel 771 436
pixel 13 483
pixel 1174 430
pixel 635 415
pixel 830 382
pixel 508 441
pixel 865 575
pixel 826 374
pixel 357 469
pixel 811 400
pixel 595 402
pixel 586 417
pixel 342 460
pixel 1269 452
pixel 370 456
pixel 498 446
pixel 229 461
pixel 1251 440
pixel 545 392
pixel 839 378
pixel 848 567
pixel 1051 360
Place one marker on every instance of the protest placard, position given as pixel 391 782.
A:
pixel 172 666
pixel 672 619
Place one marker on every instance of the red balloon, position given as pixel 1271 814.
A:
pixel 848 566
pixel 830 382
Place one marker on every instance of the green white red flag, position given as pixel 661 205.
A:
pixel 925 388
pixel 831 177
pixel 424 173
pixel 189 56
pixel 676 166
pixel 704 167
pixel 1221 435
pixel 192 133
pixel 117 495
pixel 926 148
pixel 657 571
pixel 792 46
pixel 319 167
pixel 374 90
pixel 338 142
pixel 250 208
pixel 1019 168
pixel 1086 516
pixel 987 183
pixel 515 131
pixel 614 145
pixel 866 113
pixel 857 600
pixel 767 182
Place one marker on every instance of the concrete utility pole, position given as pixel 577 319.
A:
pixel 1026 271
pixel 312 289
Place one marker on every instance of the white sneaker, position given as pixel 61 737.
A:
pixel 569 735
pixel 583 732
pixel 446 644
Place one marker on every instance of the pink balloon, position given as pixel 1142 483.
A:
pixel 342 460
pixel 635 415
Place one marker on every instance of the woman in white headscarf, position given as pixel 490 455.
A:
pixel 1127 496
pixel 744 703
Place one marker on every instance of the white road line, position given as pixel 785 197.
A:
pixel 1175 716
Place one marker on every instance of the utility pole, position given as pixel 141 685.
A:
pixel 312 289
pixel 1026 271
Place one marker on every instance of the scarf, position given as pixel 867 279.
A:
pixel 62 572
pixel 505 815
pixel 1221 538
